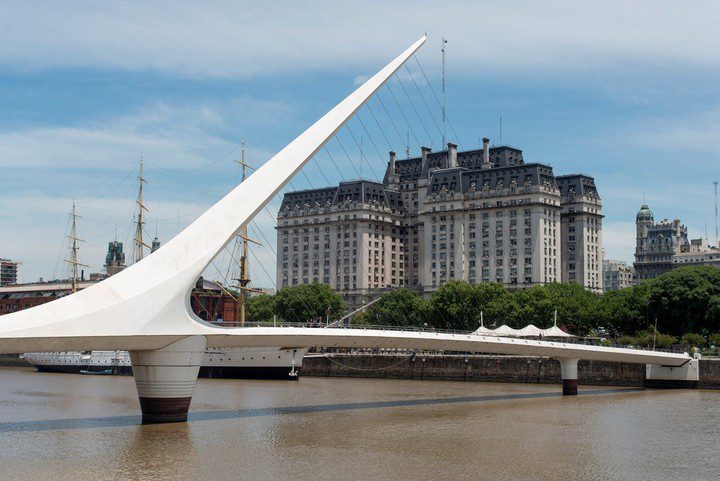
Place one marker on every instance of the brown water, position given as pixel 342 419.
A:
pixel 65 426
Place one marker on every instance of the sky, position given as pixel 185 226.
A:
pixel 624 91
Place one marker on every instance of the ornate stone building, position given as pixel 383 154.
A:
pixel 657 244
pixel 480 215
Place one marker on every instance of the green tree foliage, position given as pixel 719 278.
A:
pixel 693 340
pixel 308 302
pixel 623 311
pixel 260 308
pixel 457 305
pixel 402 307
pixel 685 300
pixel 575 306
pixel 645 339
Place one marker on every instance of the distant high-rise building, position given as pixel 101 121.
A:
pixel 617 275
pixel 480 215
pixel 8 272
pixel 155 245
pixel 657 244
pixel 115 258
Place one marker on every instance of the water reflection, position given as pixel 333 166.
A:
pixel 199 416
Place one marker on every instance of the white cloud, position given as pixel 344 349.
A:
pixel 186 135
pixel 695 132
pixel 240 39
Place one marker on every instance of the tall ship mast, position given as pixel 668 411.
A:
pixel 73 261
pixel 244 278
pixel 139 243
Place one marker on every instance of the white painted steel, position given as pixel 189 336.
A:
pixel 147 306
pixel 569 368
pixel 687 372
pixel 170 372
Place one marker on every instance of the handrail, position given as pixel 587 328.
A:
pixel 564 340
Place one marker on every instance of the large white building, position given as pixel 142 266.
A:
pixel 480 215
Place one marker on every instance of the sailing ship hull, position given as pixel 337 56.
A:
pixel 250 363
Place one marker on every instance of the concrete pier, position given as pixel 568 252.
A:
pixel 165 379
pixel 569 373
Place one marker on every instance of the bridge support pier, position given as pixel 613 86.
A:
pixel 686 376
pixel 165 379
pixel 569 373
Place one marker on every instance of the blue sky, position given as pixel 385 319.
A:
pixel 623 91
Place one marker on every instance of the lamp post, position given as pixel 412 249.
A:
pixel 647 317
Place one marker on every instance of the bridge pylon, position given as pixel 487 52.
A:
pixel 165 379
pixel 569 373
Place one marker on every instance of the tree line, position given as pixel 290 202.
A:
pixel 684 302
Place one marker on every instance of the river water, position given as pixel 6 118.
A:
pixel 68 426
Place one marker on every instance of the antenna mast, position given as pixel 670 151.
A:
pixel 443 90
pixel 407 146
pixel 717 242
pixel 73 261
pixel 139 244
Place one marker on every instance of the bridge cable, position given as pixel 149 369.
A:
pixel 412 104
pixel 387 113
pixel 432 116
pixel 457 139
pixel 402 112
pixel 382 131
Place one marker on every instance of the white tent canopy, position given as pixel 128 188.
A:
pixel 527 331
pixel 555 332
pixel 530 331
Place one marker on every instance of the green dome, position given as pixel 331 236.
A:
pixel 644 214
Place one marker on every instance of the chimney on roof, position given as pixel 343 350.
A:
pixel 425 165
pixel 452 155
pixel 486 154
pixel 393 158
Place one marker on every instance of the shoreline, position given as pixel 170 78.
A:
pixel 486 368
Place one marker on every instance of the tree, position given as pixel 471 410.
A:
pixel 260 308
pixel 684 300
pixel 623 311
pixel 402 307
pixel 307 302
pixel 693 340
pixel 646 338
pixel 457 305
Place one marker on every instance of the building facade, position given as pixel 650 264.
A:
pixel 698 253
pixel 617 275
pixel 8 272
pixel 480 216
pixel 657 244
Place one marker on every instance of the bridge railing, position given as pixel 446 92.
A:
pixel 562 340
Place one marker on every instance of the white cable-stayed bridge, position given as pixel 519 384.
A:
pixel 145 308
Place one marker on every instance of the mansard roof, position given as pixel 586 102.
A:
pixel 500 156
pixel 464 180
pixel 356 191
pixel 577 184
